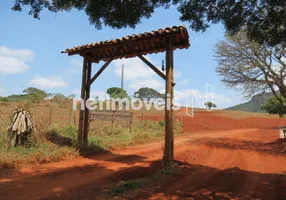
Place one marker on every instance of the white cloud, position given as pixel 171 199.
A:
pixel 13 61
pixel 134 68
pixel 184 82
pixel 48 82
pixel 137 73
pixel 196 98
pixel 151 83
pixel 94 93
pixel 19 54
pixel 10 65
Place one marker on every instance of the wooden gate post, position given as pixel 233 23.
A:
pixel 87 96
pixel 81 112
pixel 169 119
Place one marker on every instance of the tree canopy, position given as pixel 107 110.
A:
pixel 210 105
pixel 146 94
pixel 263 20
pixel 35 95
pixel 116 92
pixel 251 67
pixel 31 94
pixel 273 106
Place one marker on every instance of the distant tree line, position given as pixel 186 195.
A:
pixel 35 95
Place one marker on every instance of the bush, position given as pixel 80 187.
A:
pixel 70 131
pixel 161 123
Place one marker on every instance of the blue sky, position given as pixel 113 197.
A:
pixel 30 55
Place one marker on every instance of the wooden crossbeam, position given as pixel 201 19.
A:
pixel 155 69
pixel 100 71
pixel 89 57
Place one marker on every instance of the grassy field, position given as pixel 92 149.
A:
pixel 56 133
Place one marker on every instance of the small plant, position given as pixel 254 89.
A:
pixel 69 131
pixel 93 146
pixel 161 123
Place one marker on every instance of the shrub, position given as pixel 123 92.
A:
pixel 70 131
pixel 161 123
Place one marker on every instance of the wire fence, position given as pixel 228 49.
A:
pixel 211 123
pixel 62 116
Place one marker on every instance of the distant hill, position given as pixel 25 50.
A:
pixel 254 105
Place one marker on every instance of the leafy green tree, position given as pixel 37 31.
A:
pixel 146 94
pixel 35 95
pixel 263 20
pixel 4 99
pixel 115 92
pixel 210 105
pixel 15 98
pixel 273 106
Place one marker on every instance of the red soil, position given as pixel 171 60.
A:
pixel 206 121
pixel 238 164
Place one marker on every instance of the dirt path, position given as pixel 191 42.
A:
pixel 240 164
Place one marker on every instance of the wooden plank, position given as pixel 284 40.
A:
pixel 155 69
pixel 111 115
pixel 81 112
pixel 100 71
pixel 169 120
pixel 86 113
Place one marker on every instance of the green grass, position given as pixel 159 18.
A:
pixel 61 143
pixel 14 157
pixel 56 135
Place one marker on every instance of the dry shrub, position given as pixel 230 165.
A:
pixel 42 127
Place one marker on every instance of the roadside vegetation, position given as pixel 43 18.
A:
pixel 55 137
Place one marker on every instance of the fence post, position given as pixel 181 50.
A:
pixel 74 120
pixel 70 116
pixel 50 116
pixel 112 126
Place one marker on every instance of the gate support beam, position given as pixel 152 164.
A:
pixel 169 96
pixel 99 71
pixel 155 69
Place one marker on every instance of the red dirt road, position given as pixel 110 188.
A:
pixel 239 164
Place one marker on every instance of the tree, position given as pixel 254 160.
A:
pixel 71 96
pixel 210 105
pixel 263 20
pixel 146 94
pixel 35 95
pixel 59 98
pixel 273 106
pixel 115 92
pixel 251 67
